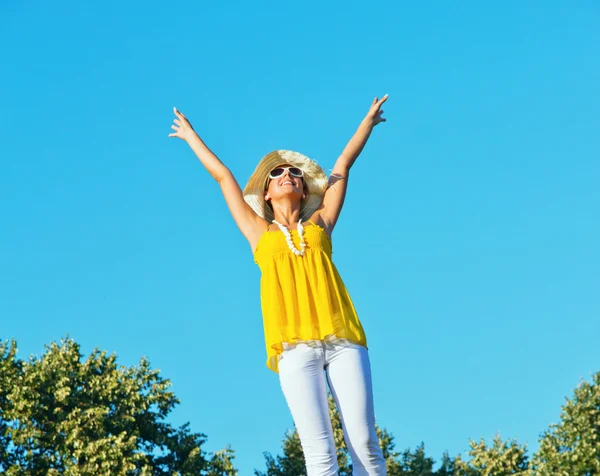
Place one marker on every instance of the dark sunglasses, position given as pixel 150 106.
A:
pixel 279 171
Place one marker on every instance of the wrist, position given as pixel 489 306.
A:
pixel 192 136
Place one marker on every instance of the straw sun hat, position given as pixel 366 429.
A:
pixel 315 181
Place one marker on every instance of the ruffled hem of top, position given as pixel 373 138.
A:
pixel 330 339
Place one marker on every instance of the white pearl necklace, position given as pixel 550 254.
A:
pixel 288 237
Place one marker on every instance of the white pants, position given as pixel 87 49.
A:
pixel 303 371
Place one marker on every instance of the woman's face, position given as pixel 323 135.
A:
pixel 285 185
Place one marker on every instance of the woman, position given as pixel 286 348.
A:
pixel 287 212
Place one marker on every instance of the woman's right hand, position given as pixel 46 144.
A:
pixel 182 127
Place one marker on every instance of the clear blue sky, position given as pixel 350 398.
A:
pixel 469 240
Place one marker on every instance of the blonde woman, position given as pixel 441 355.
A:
pixel 314 338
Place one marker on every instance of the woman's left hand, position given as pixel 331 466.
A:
pixel 374 116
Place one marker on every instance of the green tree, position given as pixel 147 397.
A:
pixel 572 447
pixel 292 461
pixel 10 369
pixel 416 463
pixel 387 444
pixel 503 458
pixel 61 414
pixel 448 466
pixel 569 448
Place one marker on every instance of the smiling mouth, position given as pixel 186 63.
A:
pixel 286 182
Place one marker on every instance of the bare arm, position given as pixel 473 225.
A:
pixel 335 194
pixel 249 223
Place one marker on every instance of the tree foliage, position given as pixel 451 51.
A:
pixel 62 414
pixel 502 458
pixel 572 447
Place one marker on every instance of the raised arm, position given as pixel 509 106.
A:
pixel 249 223
pixel 333 200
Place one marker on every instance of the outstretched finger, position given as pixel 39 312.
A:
pixel 383 99
pixel 175 128
pixel 180 115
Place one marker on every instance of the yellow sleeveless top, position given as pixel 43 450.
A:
pixel 303 298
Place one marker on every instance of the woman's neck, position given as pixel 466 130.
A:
pixel 286 214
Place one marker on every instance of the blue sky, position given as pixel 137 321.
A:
pixel 469 239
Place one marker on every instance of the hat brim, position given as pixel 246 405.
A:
pixel 314 177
